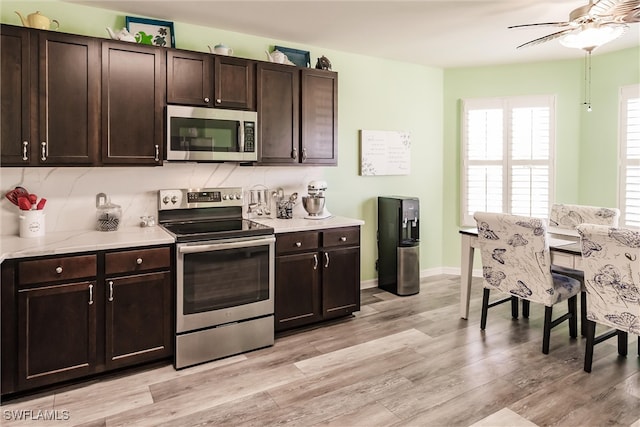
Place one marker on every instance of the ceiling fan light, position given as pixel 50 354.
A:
pixel 592 36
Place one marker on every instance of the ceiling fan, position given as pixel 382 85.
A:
pixel 591 25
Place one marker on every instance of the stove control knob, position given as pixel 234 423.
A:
pixel 238 196
pixel 225 197
pixel 174 200
pixel 165 200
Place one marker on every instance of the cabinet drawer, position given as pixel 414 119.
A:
pixel 136 260
pixel 341 237
pixel 297 242
pixel 53 269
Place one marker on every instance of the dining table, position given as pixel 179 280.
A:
pixel 564 247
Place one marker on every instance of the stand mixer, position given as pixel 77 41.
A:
pixel 314 202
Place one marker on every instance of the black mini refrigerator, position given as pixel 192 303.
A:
pixel 399 244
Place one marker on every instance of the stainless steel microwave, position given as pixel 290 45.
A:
pixel 201 134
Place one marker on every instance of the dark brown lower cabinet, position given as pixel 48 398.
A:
pixel 72 316
pixel 56 333
pixel 317 276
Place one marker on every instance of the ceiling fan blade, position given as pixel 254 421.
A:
pixel 614 8
pixel 542 24
pixel 546 38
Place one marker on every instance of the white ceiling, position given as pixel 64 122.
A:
pixel 452 33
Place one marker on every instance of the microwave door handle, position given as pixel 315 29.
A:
pixel 241 137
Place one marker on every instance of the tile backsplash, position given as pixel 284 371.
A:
pixel 71 192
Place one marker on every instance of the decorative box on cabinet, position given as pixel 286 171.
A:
pixel 50 85
pixel 317 276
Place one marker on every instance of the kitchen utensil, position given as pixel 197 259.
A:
pixel 108 214
pixel 33 198
pixel 12 197
pixel 41 204
pixel 31 223
pixel 314 203
pixel 24 204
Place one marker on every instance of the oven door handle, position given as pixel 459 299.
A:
pixel 193 249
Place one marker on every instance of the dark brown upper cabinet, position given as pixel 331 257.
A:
pixel 297 115
pixel 133 99
pixel 50 98
pixel 207 80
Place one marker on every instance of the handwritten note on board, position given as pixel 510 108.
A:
pixel 385 152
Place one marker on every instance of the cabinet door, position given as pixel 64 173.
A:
pixel 319 117
pixel 340 282
pixel 189 78
pixel 278 89
pixel 15 74
pixel 235 83
pixel 68 99
pixel 133 97
pixel 56 333
pixel 297 290
pixel 138 319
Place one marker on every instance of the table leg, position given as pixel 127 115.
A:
pixel 466 270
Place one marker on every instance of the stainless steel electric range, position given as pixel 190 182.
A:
pixel 224 274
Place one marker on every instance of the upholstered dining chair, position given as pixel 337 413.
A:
pixel 611 262
pixel 569 217
pixel 516 261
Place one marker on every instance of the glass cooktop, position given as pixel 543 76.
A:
pixel 191 231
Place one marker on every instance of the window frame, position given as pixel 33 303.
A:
pixel 625 94
pixel 506 104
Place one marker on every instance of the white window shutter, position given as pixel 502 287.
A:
pixel 630 156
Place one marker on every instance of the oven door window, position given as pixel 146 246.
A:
pixel 225 278
pixel 208 135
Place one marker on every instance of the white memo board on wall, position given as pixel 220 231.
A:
pixel 385 153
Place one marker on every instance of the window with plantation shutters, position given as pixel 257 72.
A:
pixel 507 156
pixel 630 156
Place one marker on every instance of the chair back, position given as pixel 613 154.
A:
pixel 515 256
pixel 611 263
pixel 570 216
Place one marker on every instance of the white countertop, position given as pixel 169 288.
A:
pixel 303 224
pixel 88 240
pixel 81 241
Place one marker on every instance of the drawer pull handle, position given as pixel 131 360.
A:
pixel 218 100
pixel 59 270
pixel 139 261
pixel 298 244
pixel 315 261
pixel 110 290
pixel 25 145
pixel 90 294
pixel 343 239
pixel 206 100
pixel 326 259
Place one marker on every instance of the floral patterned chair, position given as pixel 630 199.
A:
pixel 611 261
pixel 517 262
pixel 569 217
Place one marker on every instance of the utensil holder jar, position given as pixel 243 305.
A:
pixel 31 223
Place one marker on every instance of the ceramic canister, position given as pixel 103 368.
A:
pixel 31 223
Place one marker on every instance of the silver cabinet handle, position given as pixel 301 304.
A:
pixel 43 157
pixel 343 239
pixel 58 269
pixel 206 100
pixel 218 100
pixel 157 153
pixel 326 259
pixel 315 261
pixel 304 154
pixel 110 290
pixel 139 261
pixel 25 146
pixel 294 154
pixel 90 294
pixel 298 244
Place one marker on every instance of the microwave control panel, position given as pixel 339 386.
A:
pixel 249 137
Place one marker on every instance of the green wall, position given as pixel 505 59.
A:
pixel 379 94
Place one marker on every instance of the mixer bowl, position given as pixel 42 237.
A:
pixel 313 205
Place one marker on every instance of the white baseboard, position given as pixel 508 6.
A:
pixel 373 283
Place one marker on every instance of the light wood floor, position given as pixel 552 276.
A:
pixel 401 361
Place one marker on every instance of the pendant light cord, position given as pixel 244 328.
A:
pixel 587 80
